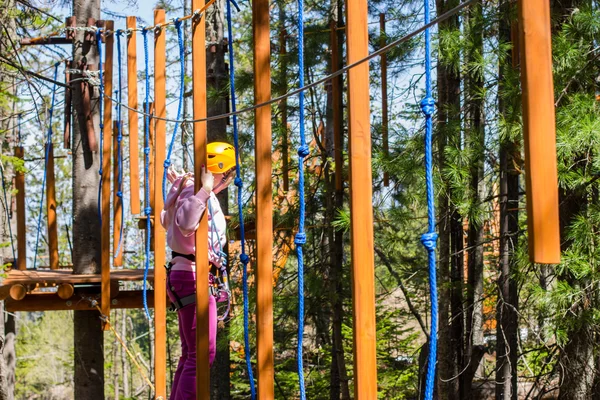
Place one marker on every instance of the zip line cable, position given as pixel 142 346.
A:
pixel 47 152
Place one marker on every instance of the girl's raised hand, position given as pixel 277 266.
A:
pixel 208 180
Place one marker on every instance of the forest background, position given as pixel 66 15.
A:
pixel 508 328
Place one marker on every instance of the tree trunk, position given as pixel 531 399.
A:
pixel 448 87
pixel 217 81
pixel 88 335
pixel 476 141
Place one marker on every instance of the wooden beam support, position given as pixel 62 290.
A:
pixel 106 169
pixel 384 96
pixel 539 127
pixel 52 302
pixel 361 204
pixel 51 208
pixel 21 217
pixel 18 292
pixel 47 40
pixel 264 200
pixel 117 202
pixel 160 281
pixel 199 97
pixel 132 102
pixel 65 291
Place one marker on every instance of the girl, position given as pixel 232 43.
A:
pixel 180 217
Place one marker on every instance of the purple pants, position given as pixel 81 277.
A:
pixel 184 384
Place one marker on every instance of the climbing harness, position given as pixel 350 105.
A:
pixel 429 239
pixel 244 258
pixel 167 162
pixel 47 152
pixel 147 208
pixel 300 239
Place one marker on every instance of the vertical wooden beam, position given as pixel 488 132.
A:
pixel 160 282
pixel 67 117
pixel 106 166
pixel 199 95
pixel 336 91
pixel 264 199
pixel 21 217
pixel 539 131
pixel 51 208
pixel 384 97
pixel 132 102
pixel 361 204
pixel 117 201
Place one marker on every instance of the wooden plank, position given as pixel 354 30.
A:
pixel 132 102
pixel 117 202
pixel 361 204
pixel 67 116
pixel 51 302
pixel 264 200
pixel 384 96
pixel 106 168
pixel 160 281
pixel 21 217
pixel 53 277
pixel 539 129
pixel 51 208
pixel 199 97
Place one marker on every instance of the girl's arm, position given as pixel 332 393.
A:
pixel 190 211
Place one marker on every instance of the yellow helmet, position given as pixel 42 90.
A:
pixel 221 157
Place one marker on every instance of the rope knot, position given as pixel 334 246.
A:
pixel 303 151
pixel 100 172
pixel 119 194
pixel 428 106
pixel 244 258
pixel 238 182
pixel 146 150
pixel 120 137
pixel 147 211
pixel 300 238
pixel 429 240
pixel 101 126
pixel 167 163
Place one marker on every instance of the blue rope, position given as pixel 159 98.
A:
pixel 48 144
pixel 244 258
pixel 8 216
pixel 300 240
pixel 101 113
pixel 147 208
pixel 429 239
pixel 167 163
pixel 119 33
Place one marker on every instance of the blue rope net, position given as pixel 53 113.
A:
pixel 429 239
pixel 147 208
pixel 244 258
pixel 47 153
pixel 300 239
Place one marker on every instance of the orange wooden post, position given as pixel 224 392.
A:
pixel 264 200
pixel 21 225
pixel 106 166
pixel 132 102
pixel 160 281
pixel 151 132
pixel 199 93
pixel 51 208
pixel 384 97
pixel 361 206
pixel 540 131
pixel 117 202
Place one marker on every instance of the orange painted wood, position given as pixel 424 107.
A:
pixel 51 302
pixel 55 277
pixel 21 217
pixel 384 97
pixel 336 90
pixel 18 292
pixel 51 208
pixel 199 97
pixel 132 102
pixel 160 281
pixel 264 200
pixel 65 291
pixel 539 131
pixel 106 169
pixel 117 202
pixel 361 208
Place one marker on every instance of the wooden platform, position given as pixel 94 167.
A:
pixel 57 277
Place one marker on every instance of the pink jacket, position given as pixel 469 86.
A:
pixel 181 217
